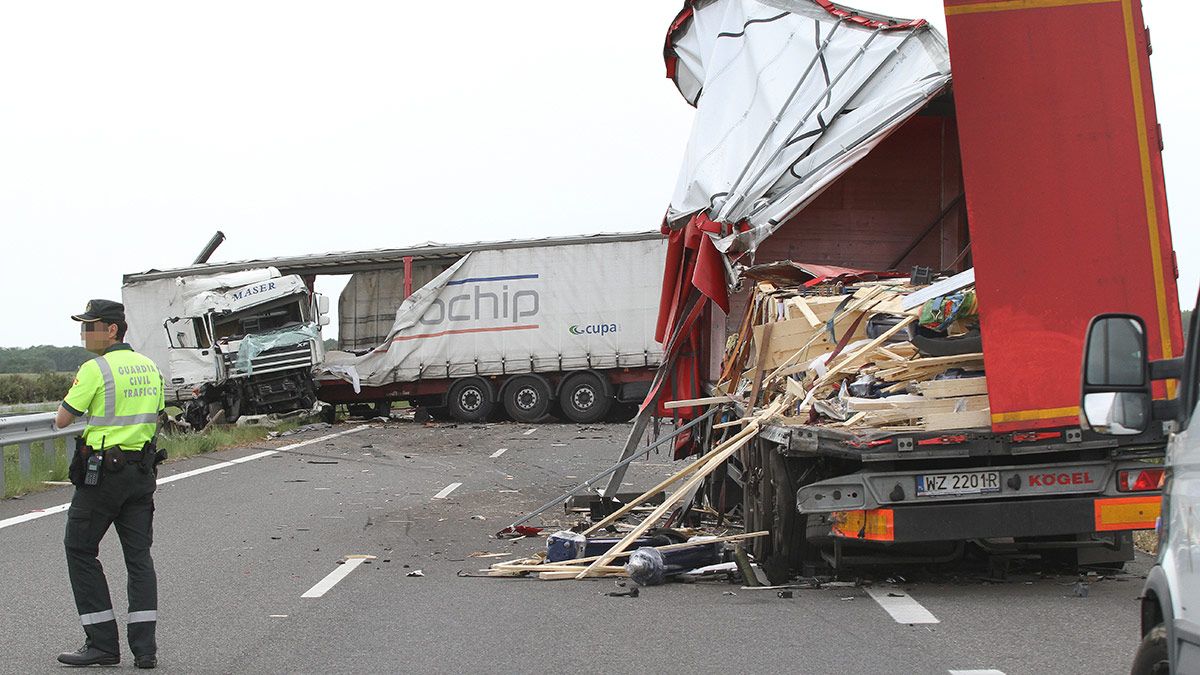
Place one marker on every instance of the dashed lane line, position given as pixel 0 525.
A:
pixel 977 672
pixel 902 607
pixel 42 513
pixel 447 490
pixel 497 453
pixel 322 587
pixel 530 431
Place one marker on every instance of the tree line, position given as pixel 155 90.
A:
pixel 34 388
pixel 42 359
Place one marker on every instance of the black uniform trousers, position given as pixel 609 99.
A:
pixel 125 499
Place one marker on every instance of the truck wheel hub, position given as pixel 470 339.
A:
pixel 527 398
pixel 584 398
pixel 470 399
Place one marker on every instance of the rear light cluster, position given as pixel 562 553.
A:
pixel 1139 480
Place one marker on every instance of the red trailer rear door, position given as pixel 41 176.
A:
pixel 1063 175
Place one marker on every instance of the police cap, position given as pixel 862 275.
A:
pixel 107 311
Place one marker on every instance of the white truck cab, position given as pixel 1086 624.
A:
pixel 249 349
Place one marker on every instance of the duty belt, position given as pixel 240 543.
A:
pixel 130 455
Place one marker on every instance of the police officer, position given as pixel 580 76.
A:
pixel 114 473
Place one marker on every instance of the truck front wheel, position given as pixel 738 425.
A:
pixel 527 398
pixel 471 400
pixel 584 398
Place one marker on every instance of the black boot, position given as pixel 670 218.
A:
pixel 89 656
pixel 146 661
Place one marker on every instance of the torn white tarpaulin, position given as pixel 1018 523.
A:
pixel 522 310
pixel 789 94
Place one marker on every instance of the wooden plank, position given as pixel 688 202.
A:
pixel 718 456
pixel 764 348
pixel 662 485
pixel 963 386
pixel 855 419
pixel 572 574
pixel 947 360
pixel 580 562
pixel 820 342
pixel 801 304
pixel 937 290
pixel 933 405
pixel 688 403
pixel 863 351
pixel 958 420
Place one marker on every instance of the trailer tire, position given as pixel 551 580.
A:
pixel 584 398
pixel 527 398
pixel 471 400
pixel 789 533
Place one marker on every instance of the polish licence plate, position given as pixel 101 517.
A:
pixel 965 483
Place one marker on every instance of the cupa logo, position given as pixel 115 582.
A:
pixel 594 329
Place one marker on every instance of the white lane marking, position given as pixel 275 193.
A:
pixel 531 431
pixel 322 587
pixel 41 513
pixel 901 606
pixel 33 515
pixel 497 453
pixel 977 672
pixel 447 490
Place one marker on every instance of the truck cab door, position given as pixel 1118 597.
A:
pixel 190 355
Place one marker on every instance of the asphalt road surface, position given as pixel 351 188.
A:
pixel 242 536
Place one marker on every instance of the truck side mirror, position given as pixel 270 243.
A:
pixel 323 305
pixel 1116 376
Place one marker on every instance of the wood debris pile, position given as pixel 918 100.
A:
pixel 882 355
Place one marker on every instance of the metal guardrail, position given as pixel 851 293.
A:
pixel 24 431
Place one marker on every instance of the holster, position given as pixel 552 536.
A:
pixel 152 456
pixel 76 469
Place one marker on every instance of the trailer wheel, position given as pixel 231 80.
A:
pixel 527 398
pixel 471 400
pixel 789 534
pixel 584 398
pixel 771 481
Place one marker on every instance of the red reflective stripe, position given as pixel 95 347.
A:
pixel 864 21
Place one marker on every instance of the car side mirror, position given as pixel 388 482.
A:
pixel 1116 397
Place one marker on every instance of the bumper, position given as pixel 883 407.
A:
pixel 990 519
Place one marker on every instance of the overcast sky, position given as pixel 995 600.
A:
pixel 131 131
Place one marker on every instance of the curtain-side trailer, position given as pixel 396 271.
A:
pixel 1039 169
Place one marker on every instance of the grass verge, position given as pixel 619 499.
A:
pixel 52 465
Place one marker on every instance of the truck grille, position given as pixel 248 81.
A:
pixel 272 361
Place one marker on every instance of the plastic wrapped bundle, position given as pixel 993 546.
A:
pixel 565 545
pixel 646 567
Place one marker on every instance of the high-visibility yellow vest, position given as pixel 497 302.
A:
pixel 122 393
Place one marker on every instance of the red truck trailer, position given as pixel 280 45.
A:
pixel 1038 167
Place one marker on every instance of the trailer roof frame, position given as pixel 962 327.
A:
pixel 349 262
